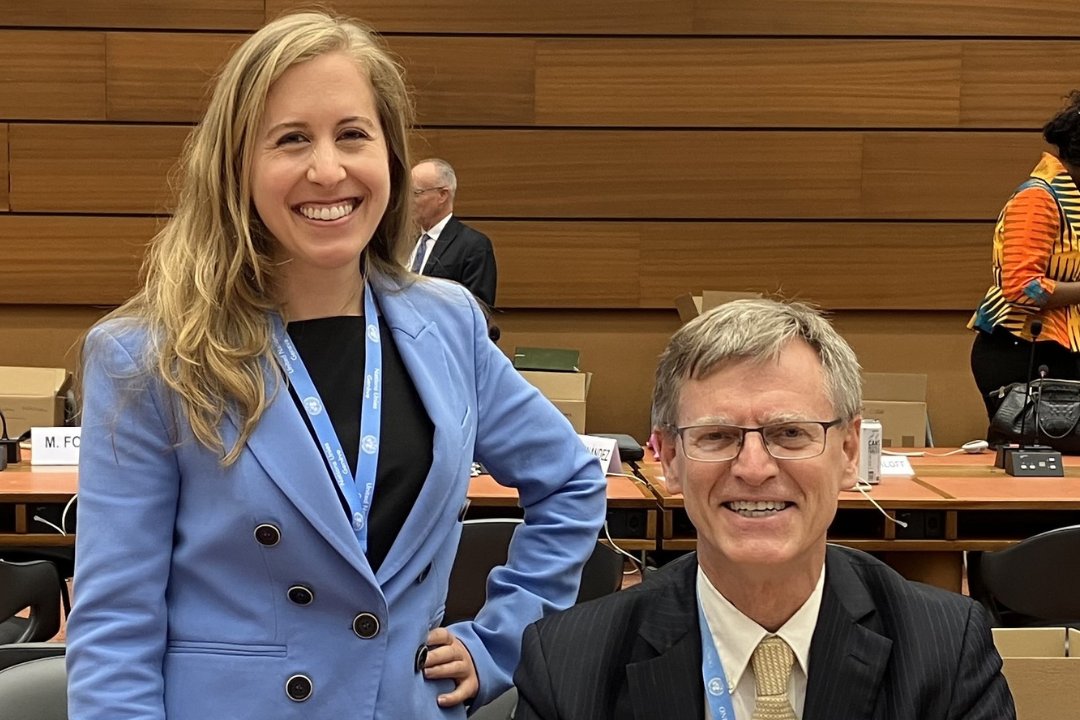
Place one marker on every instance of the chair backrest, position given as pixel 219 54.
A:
pixel 603 573
pixel 35 585
pixel 1036 577
pixel 35 690
pixel 484 546
pixel 11 655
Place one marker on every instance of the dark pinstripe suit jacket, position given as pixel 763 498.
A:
pixel 884 649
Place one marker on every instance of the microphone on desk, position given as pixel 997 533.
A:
pixel 1036 331
pixel 1034 460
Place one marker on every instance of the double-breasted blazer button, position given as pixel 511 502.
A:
pixel 421 658
pixel 365 625
pixel 301 595
pixel 298 688
pixel 423 574
pixel 268 535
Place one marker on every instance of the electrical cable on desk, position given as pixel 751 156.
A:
pixel 975 447
pixel 637 563
pixel 862 485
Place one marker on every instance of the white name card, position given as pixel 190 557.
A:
pixel 54 445
pixel 607 449
pixel 896 466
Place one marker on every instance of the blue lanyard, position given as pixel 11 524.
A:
pixel 712 672
pixel 357 491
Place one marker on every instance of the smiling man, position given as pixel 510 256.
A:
pixel 756 408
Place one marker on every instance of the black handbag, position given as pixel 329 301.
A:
pixel 1058 403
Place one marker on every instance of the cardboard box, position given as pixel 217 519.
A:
pixel 898 401
pixel 1042 667
pixel 33 397
pixel 567 391
pixel 690 306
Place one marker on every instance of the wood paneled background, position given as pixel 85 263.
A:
pixel 619 152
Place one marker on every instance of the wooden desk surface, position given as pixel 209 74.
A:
pixel 622 492
pixel 24 483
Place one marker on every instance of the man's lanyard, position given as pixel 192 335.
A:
pixel 712 672
pixel 357 491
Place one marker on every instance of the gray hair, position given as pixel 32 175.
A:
pixel 445 172
pixel 756 331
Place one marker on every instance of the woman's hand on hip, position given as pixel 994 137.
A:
pixel 449 658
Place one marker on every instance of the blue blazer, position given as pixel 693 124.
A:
pixel 183 608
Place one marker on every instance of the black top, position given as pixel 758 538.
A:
pixel 333 352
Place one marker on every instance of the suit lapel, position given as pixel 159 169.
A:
pixel 449 233
pixel 298 470
pixel 847 655
pixel 423 351
pixel 667 682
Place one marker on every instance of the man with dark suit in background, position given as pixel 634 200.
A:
pixel 757 411
pixel 447 247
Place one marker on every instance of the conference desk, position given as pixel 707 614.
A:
pixel 26 491
pixel 953 504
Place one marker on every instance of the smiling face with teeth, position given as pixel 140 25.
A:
pixel 756 513
pixel 320 176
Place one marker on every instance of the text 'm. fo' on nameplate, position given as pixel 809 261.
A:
pixel 54 445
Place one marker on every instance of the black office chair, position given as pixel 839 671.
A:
pixel 11 655
pixel 1032 583
pixel 35 690
pixel 34 585
pixel 63 557
pixel 602 575
pixel 501 708
pixel 485 545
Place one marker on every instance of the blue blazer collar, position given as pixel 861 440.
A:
pixel 283 446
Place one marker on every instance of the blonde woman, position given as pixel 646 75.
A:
pixel 278 429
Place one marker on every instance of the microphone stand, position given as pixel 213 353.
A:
pixel 1035 460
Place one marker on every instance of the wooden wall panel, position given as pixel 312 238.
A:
pixel 1005 18
pixel 71 260
pixel 4 199
pixel 849 266
pixel 1016 83
pixel 44 335
pixel 93 169
pixel 163 77
pixel 764 83
pixel 470 81
pixel 495 81
pixel 629 174
pixel 52 75
pixel 605 17
pixel 186 14
pixel 942 175
pixel 583 265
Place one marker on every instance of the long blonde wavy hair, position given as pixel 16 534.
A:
pixel 210 279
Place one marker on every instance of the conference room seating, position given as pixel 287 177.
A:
pixel 34 690
pixel 1032 583
pixel 16 653
pixel 484 545
pixel 34 585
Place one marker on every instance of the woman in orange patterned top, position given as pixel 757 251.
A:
pixel 1036 264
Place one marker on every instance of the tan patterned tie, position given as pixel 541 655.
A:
pixel 772 670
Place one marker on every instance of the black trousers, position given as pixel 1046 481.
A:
pixel 1002 358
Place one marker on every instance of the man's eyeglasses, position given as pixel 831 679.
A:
pixel 797 440
pixel 421 191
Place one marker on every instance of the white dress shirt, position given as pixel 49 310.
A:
pixel 433 233
pixel 737 636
